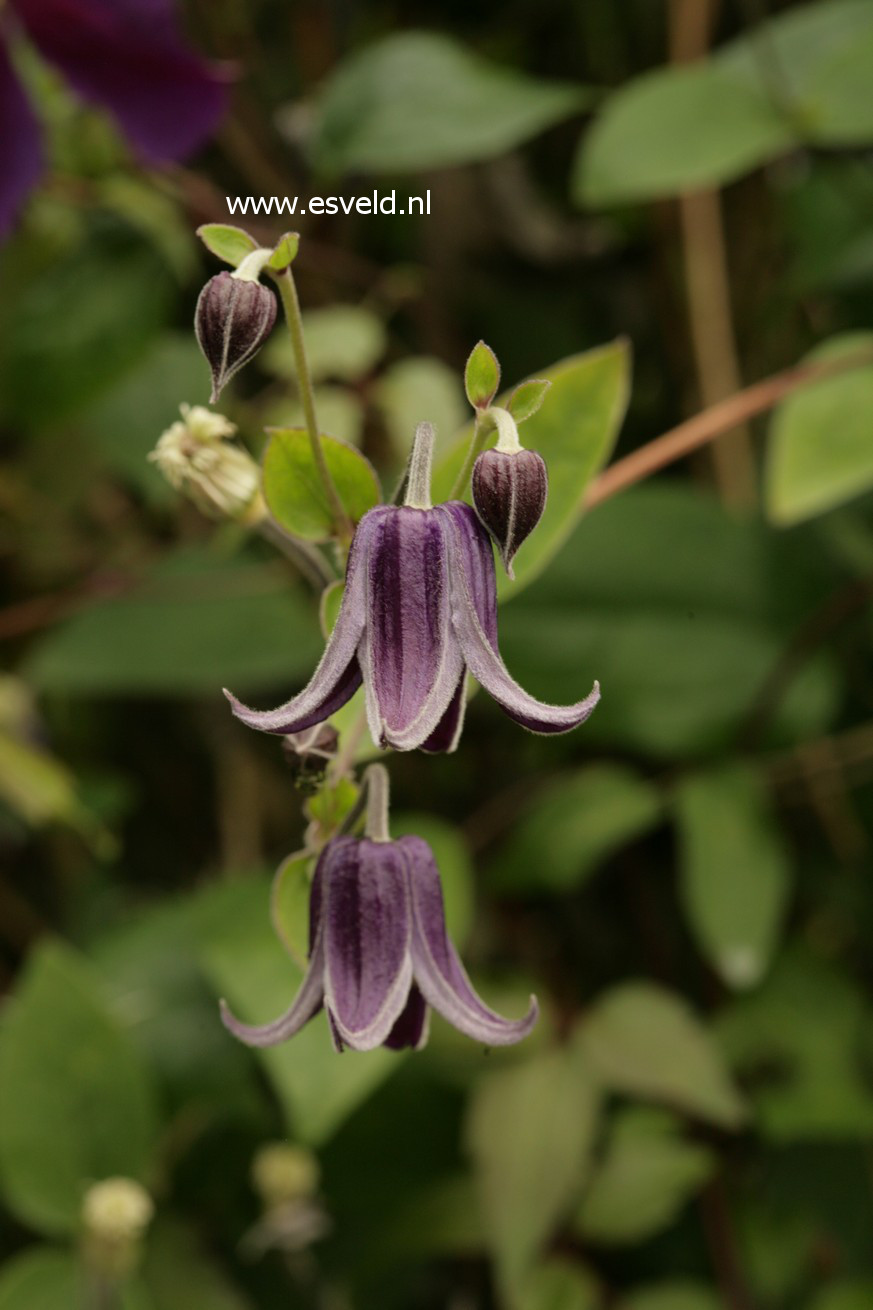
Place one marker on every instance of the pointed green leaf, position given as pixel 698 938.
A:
pixel 418 100
pixel 530 1131
pixel 677 129
pixel 41 1278
pixel 481 376
pixel 285 252
pixel 571 826
pixel 820 451
pixel 735 871
pixel 682 1294
pixel 227 242
pixel 75 1101
pixel 558 1284
pixel 647 1174
pixel 295 493
pixel 575 433
pixel 289 905
pixel 527 398
pixel 193 623
pixel 646 1041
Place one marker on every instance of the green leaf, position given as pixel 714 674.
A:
pixel 481 376
pixel 527 398
pixel 417 389
pixel 194 623
pixel 75 1103
pixel 82 321
pixel 845 1294
pixel 575 433
pixel 679 1295
pixel 646 1176
pixel 417 100
pixel 571 826
pixel 125 423
pixel 821 1093
pixel 819 450
pixel 681 638
pixel 646 1041
pixel 530 1131
pixel 227 242
pixel 41 788
pixel 735 870
pixel 558 1284
pixel 41 1278
pixel 285 252
pixel 343 342
pixel 677 129
pixel 682 128
pixel 294 491
pixel 317 1088
pixel 825 52
pixel 179 1275
pixel 329 607
pixel 289 905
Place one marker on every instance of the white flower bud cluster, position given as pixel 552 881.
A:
pixel 196 456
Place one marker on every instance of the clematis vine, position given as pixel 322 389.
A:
pixel 379 952
pixel 125 55
pixel 419 611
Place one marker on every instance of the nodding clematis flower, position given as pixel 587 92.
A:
pixel 126 55
pixel 419 610
pixel 379 954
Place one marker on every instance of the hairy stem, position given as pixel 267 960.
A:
pixel 378 787
pixel 291 305
pixel 477 442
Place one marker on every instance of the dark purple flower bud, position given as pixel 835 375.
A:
pixel 509 492
pixel 379 955
pixel 419 610
pixel 233 320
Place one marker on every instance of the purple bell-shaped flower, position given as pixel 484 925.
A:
pixel 419 611
pixel 379 952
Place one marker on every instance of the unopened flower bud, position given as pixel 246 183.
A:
pixel 282 1173
pixel 234 317
pixel 509 493
pixel 115 1214
pixel 195 456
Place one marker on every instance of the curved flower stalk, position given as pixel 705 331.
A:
pixel 419 611
pixel 127 55
pixel 379 955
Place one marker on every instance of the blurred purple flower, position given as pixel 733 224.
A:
pixel 126 55
pixel 379 955
pixel 419 610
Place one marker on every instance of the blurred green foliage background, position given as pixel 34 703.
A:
pixel 684 882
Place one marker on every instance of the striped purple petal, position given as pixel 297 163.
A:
pixel 22 144
pixel 411 1029
pixel 367 930
pixel 338 675
pixel 129 56
pixel 438 970
pixel 447 733
pixel 412 663
pixel 474 615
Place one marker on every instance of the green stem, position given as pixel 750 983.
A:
pixel 291 305
pixel 477 443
